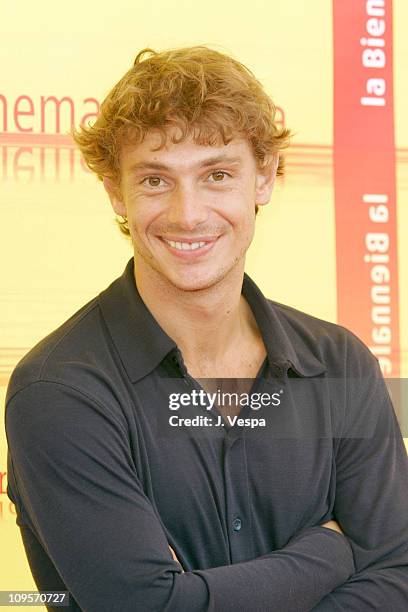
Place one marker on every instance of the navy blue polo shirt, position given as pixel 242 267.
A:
pixel 103 483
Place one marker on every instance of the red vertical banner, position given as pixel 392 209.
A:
pixel 364 176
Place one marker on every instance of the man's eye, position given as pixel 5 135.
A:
pixel 219 176
pixel 153 181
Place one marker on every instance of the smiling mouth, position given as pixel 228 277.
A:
pixel 189 244
pixel 185 246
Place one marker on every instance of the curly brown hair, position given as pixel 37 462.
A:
pixel 203 92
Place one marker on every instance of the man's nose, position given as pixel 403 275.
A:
pixel 187 209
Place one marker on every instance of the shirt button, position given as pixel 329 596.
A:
pixel 236 524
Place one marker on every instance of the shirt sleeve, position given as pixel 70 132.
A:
pixel 76 482
pixel 371 504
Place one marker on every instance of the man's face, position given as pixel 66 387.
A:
pixel 190 208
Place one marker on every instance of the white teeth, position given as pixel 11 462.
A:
pixel 185 246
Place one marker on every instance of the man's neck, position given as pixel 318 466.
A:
pixel 208 325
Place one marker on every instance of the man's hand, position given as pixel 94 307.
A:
pixel 332 525
pixel 175 557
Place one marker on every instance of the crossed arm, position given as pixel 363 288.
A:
pixel 330 525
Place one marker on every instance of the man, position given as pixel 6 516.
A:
pixel 121 498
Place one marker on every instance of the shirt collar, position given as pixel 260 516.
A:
pixel 287 339
pixel 142 344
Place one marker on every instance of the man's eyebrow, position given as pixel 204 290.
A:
pixel 211 161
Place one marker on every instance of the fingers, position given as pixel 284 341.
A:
pixel 175 557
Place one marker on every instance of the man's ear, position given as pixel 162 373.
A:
pixel 265 180
pixel 114 196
